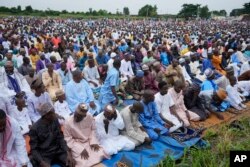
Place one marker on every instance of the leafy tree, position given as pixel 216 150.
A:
pixel 64 12
pixel 247 8
pixel 204 12
pixel 148 10
pixel 126 11
pixel 189 10
pixel 28 9
pixel 19 8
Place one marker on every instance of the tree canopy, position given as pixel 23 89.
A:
pixel 126 11
pixel 148 11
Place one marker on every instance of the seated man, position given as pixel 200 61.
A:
pixel 36 99
pixel 52 81
pixel 31 76
pixel 135 85
pixel 12 152
pixel 177 95
pixel 65 74
pixel 150 118
pixel 166 107
pixel 78 91
pixel 46 140
pixel 209 83
pixel 108 124
pixel 126 67
pixel 133 128
pixel 91 74
pixel 80 135
pixel 149 79
pixel 12 82
pixel 174 72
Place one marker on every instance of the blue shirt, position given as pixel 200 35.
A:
pixel 164 58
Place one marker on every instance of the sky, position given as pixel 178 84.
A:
pixel 164 6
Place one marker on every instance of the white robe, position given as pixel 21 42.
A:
pixel 4 84
pixel 16 149
pixel 186 75
pixel 163 104
pixel 126 68
pixel 245 67
pixel 112 142
pixel 245 87
pixel 62 109
pixel 234 97
pixel 23 119
pixel 34 103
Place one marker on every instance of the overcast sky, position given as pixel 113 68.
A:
pixel 164 6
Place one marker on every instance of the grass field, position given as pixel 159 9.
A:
pixel 222 139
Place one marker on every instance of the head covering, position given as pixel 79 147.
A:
pixel 139 73
pixel 209 72
pixel 113 54
pixel 59 93
pixel 81 107
pixel 230 50
pixel 157 63
pixel 229 69
pixel 36 83
pixel 45 108
pixel 181 60
pixel 22 50
pixel 10 51
pixel 221 94
pixel 145 67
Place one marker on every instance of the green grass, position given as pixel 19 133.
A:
pixel 222 140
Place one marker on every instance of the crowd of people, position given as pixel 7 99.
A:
pixel 63 82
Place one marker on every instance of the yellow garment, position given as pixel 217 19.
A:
pixel 52 84
pixel 79 54
pixel 184 51
pixel 216 61
pixel 40 47
pixel 34 59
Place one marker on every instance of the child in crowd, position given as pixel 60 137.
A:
pixel 61 106
pixel 20 114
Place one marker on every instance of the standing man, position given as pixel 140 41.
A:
pixel 108 89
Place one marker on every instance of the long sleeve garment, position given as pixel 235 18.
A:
pixel 150 119
pixel 16 150
pixel 132 126
pixel 47 141
pixel 112 141
pixel 81 135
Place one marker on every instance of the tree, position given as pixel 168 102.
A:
pixel 19 8
pixel 64 12
pixel 28 9
pixel 204 12
pixel 247 8
pixel 126 11
pixel 189 10
pixel 148 11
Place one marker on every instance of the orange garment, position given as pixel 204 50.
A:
pixel 216 60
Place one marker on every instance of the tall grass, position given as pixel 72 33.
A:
pixel 222 140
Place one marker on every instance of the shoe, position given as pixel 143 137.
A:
pixel 243 105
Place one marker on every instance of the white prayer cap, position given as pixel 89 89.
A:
pixel 113 54
pixel 10 51
pixel 181 60
pixel 231 50
pixel 209 72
